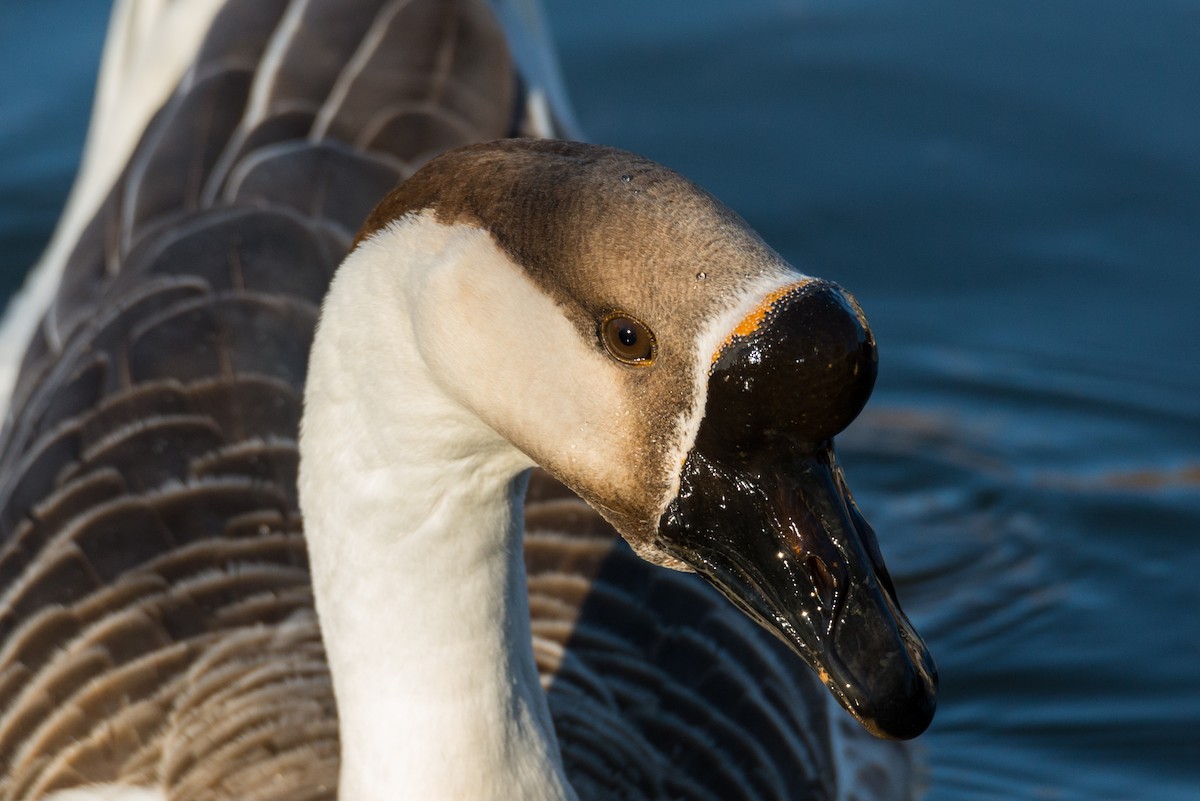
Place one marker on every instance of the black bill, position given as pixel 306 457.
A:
pixel 763 511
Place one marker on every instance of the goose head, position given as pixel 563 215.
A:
pixel 613 323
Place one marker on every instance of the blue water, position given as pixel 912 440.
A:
pixel 49 50
pixel 1012 190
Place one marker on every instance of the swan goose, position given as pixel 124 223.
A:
pixel 511 303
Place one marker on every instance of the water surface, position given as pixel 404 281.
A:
pixel 1012 190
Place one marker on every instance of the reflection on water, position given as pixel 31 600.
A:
pixel 1012 190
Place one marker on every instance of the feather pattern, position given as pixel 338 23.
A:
pixel 156 621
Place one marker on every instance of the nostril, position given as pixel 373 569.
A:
pixel 824 585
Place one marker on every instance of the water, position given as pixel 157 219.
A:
pixel 1012 190
pixel 49 51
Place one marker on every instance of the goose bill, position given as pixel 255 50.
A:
pixel 764 514
pixel 783 540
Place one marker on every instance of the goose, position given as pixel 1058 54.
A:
pixel 213 588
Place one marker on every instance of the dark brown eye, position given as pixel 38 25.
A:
pixel 627 339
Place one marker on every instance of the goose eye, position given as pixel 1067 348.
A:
pixel 627 340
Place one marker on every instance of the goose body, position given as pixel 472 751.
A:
pixel 478 632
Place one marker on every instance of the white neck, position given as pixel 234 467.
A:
pixel 413 517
